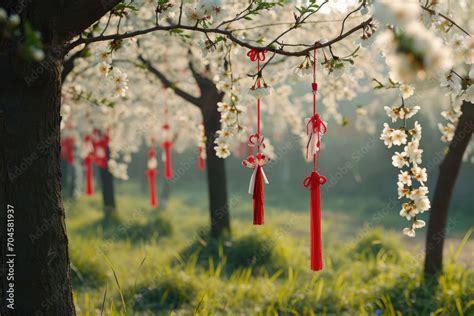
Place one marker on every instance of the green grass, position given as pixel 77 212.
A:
pixel 161 262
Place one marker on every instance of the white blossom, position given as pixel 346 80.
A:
pixel 399 160
pixel 399 137
pixel 407 90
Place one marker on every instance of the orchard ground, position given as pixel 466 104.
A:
pixel 160 262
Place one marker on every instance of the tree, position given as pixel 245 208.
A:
pixel 448 173
pixel 207 102
pixel 30 102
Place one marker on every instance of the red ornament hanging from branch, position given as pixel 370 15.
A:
pixel 202 148
pixel 257 162
pixel 152 172
pixel 201 158
pixel 315 128
pixel 100 143
pixel 88 154
pixel 167 145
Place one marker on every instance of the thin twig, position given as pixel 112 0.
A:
pixel 348 15
pixel 431 11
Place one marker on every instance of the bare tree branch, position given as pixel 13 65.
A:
pixel 431 11
pixel 68 64
pixel 167 83
pixel 228 33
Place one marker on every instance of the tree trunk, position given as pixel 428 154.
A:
pixel 216 175
pixel 31 183
pixel 448 173
pixel 108 193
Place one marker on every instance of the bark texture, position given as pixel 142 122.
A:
pixel 30 175
pixel 216 175
pixel 32 186
pixel 448 173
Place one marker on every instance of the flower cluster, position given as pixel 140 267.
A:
pixel 452 115
pixel 118 169
pixel 260 88
pixel 412 178
pixel 230 126
pixel 204 12
pixel 119 79
pixel 411 50
pixel 401 112
pixel 305 68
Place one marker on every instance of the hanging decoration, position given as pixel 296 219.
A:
pixel 167 145
pixel 315 128
pixel 257 162
pixel 202 148
pixel 151 173
pixel 100 142
pixel 88 154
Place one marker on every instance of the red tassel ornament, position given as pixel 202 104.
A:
pixel 201 158
pixel 100 144
pixel 202 140
pixel 315 128
pixel 88 160
pixel 151 174
pixel 167 145
pixel 256 187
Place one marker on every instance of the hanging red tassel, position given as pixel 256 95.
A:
pixel 89 158
pixel 258 199
pixel 315 128
pixel 167 145
pixel 256 187
pixel 314 181
pixel 202 140
pixel 152 173
pixel 201 158
pixel 100 144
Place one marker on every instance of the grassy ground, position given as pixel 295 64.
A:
pixel 160 262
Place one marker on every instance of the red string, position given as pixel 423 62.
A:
pixel 315 89
pixel 258 102
pixel 257 55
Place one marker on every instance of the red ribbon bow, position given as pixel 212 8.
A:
pixel 255 54
pixel 256 140
pixel 314 180
pixel 318 126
